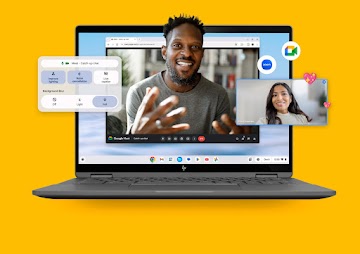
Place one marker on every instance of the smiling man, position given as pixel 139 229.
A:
pixel 179 99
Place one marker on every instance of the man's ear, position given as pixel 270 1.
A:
pixel 163 52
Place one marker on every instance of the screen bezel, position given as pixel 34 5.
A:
pixel 167 168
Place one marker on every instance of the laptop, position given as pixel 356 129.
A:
pixel 112 163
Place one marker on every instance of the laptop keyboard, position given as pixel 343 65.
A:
pixel 184 180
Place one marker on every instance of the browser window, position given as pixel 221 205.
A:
pixel 225 60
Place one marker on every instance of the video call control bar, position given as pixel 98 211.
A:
pixel 190 138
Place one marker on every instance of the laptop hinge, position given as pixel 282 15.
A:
pixel 266 175
pixel 101 176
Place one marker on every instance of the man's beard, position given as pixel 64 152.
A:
pixel 175 77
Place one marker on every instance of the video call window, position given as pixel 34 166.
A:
pixel 287 102
pixel 222 66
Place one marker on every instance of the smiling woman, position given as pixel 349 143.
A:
pixel 282 107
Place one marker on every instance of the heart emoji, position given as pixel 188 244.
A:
pixel 327 104
pixel 310 78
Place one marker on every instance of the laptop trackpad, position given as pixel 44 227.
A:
pixel 185 187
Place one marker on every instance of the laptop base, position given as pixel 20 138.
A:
pixel 73 190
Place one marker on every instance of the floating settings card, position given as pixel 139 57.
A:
pixel 79 84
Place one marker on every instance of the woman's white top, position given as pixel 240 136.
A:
pixel 288 118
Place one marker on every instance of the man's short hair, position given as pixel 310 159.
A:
pixel 182 19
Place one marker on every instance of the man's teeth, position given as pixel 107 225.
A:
pixel 184 64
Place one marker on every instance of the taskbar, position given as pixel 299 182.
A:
pixel 186 138
pixel 184 159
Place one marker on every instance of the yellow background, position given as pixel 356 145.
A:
pixel 38 148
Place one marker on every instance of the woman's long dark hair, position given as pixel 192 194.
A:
pixel 271 110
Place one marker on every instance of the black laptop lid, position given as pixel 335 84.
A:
pixel 231 53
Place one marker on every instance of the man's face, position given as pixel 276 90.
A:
pixel 183 54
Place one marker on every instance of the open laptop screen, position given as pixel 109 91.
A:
pixel 105 142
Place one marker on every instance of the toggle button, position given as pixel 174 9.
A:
pixel 105 101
